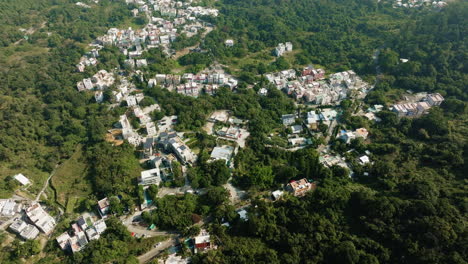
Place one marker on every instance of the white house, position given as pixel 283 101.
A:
pixel 149 177
pixel 22 179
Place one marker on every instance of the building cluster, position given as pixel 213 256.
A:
pixel 282 48
pixel 311 86
pixel 82 231
pixel 330 160
pixel 100 81
pixel 89 59
pixel 419 108
pixel 176 18
pixel 419 3
pixel 193 84
pixel 28 225
pixel 348 136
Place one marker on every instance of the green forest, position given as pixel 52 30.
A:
pixel 409 206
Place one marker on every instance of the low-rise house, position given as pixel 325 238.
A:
pixel 203 241
pixel 229 43
pixel 85 84
pixel 148 147
pixel 435 99
pixel 288 119
pixel 41 218
pixel 300 187
pixel 277 194
pixel 99 96
pixel 103 207
pixel 22 179
pixel 297 141
pixel 328 114
pixel 64 241
pixel 282 48
pixel 181 150
pixel 361 133
pixel 30 232
pixel 243 214
pixel 296 129
pixel 141 63
pixel 9 207
pixel 364 160
pixel 78 241
pixel 151 129
pixel 348 136
pixel 149 177
pixel 263 92
pixel 224 152
pixel 94 232
pixel 103 79
pixel 24 230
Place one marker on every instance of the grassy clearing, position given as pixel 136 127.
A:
pixel 36 176
pixel 70 180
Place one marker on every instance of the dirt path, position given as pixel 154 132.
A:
pixel 46 184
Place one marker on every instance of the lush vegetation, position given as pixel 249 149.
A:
pixel 408 206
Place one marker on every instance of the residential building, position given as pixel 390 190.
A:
pixel 182 151
pixel 148 146
pixel 229 42
pixel 22 179
pixel 78 241
pixel 149 177
pixel 288 119
pixel 434 99
pixel 282 48
pixel 29 232
pixel 328 114
pixel 9 207
pixel 263 92
pixel 243 214
pixel 24 230
pixel 297 141
pixel 224 152
pixel 362 133
pixel 203 241
pixel 296 129
pixel 64 241
pixel 40 218
pixel 99 96
pixel 17 226
pixel 277 194
pixel 364 160
pixel 103 207
pixel 300 187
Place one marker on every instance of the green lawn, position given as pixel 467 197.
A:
pixel 70 181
